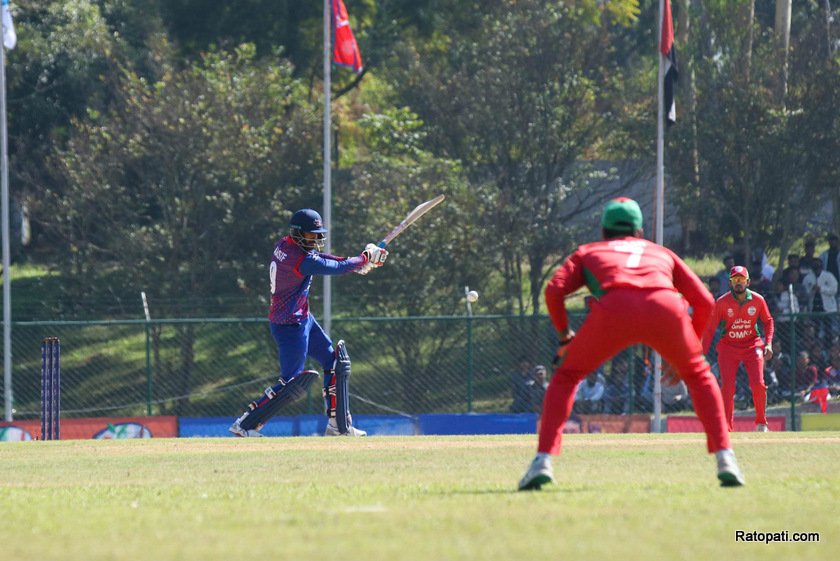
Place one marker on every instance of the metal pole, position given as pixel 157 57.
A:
pixel 327 160
pixel 149 387
pixel 793 374
pixel 469 350
pixel 7 265
pixel 660 210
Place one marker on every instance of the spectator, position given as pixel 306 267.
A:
pixel 590 394
pixel 834 350
pixel 777 377
pixel 808 340
pixel 779 302
pixel 807 260
pixel 617 394
pixel 817 390
pixel 539 387
pixel 714 286
pixel 832 371
pixel 792 278
pixel 764 285
pixel 763 266
pixel 793 260
pixel 723 275
pixel 674 396
pixel 806 374
pixel 831 257
pixel 739 252
pixel 522 384
pixel 822 288
pixel 767 271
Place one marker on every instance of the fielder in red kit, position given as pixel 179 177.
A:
pixel 641 295
pixel 739 312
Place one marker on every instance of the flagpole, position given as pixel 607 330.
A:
pixel 660 209
pixel 7 266
pixel 327 211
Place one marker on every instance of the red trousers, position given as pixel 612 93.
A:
pixel 729 358
pixel 657 318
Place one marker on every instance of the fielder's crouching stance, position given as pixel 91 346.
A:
pixel 295 260
pixel 641 294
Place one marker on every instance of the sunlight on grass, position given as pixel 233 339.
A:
pixel 425 498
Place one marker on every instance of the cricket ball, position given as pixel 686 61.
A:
pixel 472 296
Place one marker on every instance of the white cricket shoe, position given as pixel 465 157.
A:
pixel 239 431
pixel 539 473
pixel 332 430
pixel 762 428
pixel 728 471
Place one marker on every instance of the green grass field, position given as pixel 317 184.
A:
pixel 645 497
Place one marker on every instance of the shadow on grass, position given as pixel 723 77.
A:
pixel 512 490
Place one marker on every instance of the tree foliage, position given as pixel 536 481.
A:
pixel 747 169
pixel 520 109
pixel 161 145
pixel 184 181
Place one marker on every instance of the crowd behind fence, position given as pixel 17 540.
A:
pixel 447 364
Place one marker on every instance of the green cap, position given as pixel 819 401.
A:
pixel 622 215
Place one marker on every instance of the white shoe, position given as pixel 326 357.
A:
pixel 332 430
pixel 239 431
pixel 539 473
pixel 762 428
pixel 728 471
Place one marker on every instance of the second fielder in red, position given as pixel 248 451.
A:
pixel 738 312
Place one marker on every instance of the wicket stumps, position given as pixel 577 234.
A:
pixel 51 389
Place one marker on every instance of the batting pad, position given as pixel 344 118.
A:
pixel 342 387
pixel 276 397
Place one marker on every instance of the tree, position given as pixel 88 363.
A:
pixel 63 66
pixel 177 189
pixel 520 102
pixel 754 176
pixel 184 179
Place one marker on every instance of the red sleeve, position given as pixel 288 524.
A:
pixel 696 293
pixel 711 327
pixel 767 320
pixel 567 279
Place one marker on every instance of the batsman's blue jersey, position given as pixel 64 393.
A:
pixel 291 272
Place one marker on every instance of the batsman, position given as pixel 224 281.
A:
pixel 296 259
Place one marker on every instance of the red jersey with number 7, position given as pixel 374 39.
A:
pixel 740 322
pixel 626 262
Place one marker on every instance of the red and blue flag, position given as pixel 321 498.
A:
pixel 669 53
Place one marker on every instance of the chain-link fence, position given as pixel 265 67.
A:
pixel 457 364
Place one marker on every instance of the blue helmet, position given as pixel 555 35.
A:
pixel 309 221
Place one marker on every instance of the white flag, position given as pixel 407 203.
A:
pixel 9 35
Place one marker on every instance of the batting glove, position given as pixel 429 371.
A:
pixel 375 255
pixel 365 269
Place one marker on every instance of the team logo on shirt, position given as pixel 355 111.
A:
pixel 279 254
pixel 751 310
pixel 730 312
